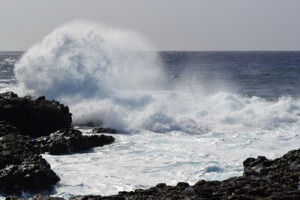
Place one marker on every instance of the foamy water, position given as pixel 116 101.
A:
pixel 143 159
pixel 167 133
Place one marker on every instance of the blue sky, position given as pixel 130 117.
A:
pixel 168 24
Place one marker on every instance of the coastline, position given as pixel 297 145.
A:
pixel 22 167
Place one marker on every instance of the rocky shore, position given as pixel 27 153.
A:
pixel 22 168
pixel 30 127
pixel 34 117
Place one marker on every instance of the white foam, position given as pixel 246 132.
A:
pixel 144 159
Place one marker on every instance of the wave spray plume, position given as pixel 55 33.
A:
pixel 108 76
pixel 85 62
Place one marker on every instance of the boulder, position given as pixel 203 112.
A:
pixel 70 140
pixel 22 168
pixel 34 117
pixel 104 130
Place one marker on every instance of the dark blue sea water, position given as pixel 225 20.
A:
pixel 267 74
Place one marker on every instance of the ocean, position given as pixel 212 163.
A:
pixel 214 110
pixel 181 116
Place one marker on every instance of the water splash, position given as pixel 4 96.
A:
pixel 108 76
pixel 86 60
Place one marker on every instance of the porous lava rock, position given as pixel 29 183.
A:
pixel 6 128
pixel 36 197
pixel 104 130
pixel 70 140
pixel 34 117
pixel 21 166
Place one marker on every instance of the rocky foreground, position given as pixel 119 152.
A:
pixel 23 169
pixel 30 127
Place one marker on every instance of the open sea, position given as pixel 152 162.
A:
pixel 181 116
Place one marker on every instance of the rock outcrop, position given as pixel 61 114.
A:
pixel 70 140
pixel 34 117
pixel 104 130
pixel 22 168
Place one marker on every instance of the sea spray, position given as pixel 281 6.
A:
pixel 228 127
pixel 85 60
pixel 109 76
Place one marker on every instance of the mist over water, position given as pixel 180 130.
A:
pixel 109 76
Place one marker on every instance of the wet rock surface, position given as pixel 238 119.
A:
pixel 70 140
pixel 104 130
pixel 22 168
pixel 36 197
pixel 34 117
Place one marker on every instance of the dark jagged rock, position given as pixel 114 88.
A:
pixel 104 130
pixel 22 168
pixel 160 191
pixel 70 140
pixel 262 179
pixel 14 198
pixel 34 117
pixel 36 197
pixel 45 197
pixel 97 197
pixel 6 128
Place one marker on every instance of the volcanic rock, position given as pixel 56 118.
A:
pixel 6 128
pixel 22 168
pixel 104 130
pixel 36 197
pixel 70 140
pixel 34 117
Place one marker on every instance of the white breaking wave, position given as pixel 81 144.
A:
pixel 107 76
pixel 86 60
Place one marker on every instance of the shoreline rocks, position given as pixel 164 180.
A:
pixel 70 140
pixel 104 130
pixel 22 168
pixel 34 117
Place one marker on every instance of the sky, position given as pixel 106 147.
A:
pixel 191 25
